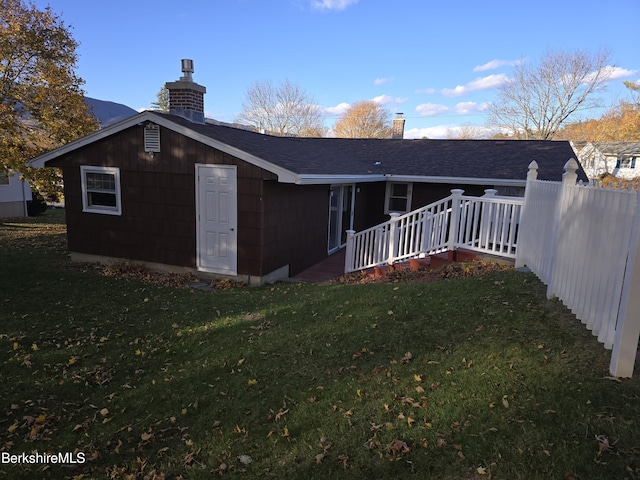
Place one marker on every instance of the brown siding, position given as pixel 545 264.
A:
pixel 295 225
pixel 369 207
pixel 158 221
pixel 426 193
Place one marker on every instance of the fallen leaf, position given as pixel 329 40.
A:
pixel 603 443
pixel 245 459
pixel 481 470
pixel 319 458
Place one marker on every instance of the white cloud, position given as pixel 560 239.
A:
pixel 448 131
pixel 382 81
pixel 482 83
pixel 612 73
pixel 337 110
pixel 493 64
pixel 469 108
pixel 332 4
pixel 388 100
pixel 431 109
pixel 426 90
pixel 429 132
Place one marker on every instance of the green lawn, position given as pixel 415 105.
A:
pixel 468 378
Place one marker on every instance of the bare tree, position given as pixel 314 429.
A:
pixel 284 110
pixel 467 132
pixel 541 97
pixel 364 119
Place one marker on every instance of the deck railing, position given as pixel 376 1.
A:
pixel 486 224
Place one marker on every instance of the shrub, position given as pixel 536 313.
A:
pixel 36 206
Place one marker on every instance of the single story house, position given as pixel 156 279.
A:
pixel 179 193
pixel 14 195
pixel 621 159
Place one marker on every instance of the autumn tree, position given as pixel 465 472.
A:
pixel 619 124
pixel 364 119
pixel 284 110
pixel 41 103
pixel 162 100
pixel 543 97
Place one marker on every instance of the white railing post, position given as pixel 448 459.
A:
pixel 489 193
pixel 521 251
pixel 625 346
pixel 393 236
pixel 488 213
pixel 349 261
pixel 454 220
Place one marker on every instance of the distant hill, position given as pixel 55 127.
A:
pixel 109 113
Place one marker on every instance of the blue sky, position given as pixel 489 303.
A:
pixel 438 62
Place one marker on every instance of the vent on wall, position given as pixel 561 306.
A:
pixel 152 138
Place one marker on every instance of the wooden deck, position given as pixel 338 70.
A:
pixel 328 269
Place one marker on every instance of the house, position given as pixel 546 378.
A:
pixel 179 193
pixel 616 158
pixel 14 195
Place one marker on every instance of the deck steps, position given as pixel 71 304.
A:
pixel 431 262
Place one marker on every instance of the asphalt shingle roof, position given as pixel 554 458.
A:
pixel 502 159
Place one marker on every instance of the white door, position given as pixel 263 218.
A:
pixel 217 236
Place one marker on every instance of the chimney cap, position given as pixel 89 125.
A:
pixel 187 68
pixel 399 114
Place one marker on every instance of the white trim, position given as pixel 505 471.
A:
pixel 455 180
pixel 104 210
pixel 316 179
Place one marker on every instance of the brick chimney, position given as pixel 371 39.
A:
pixel 398 127
pixel 186 98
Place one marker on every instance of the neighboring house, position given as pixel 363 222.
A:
pixel 621 159
pixel 182 194
pixel 14 195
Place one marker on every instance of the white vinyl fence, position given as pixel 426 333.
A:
pixel 582 242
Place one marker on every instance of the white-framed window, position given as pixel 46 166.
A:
pixel 626 162
pixel 398 197
pixel 101 190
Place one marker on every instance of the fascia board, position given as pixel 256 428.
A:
pixel 39 162
pixel 284 175
pixel 316 179
pixel 457 180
